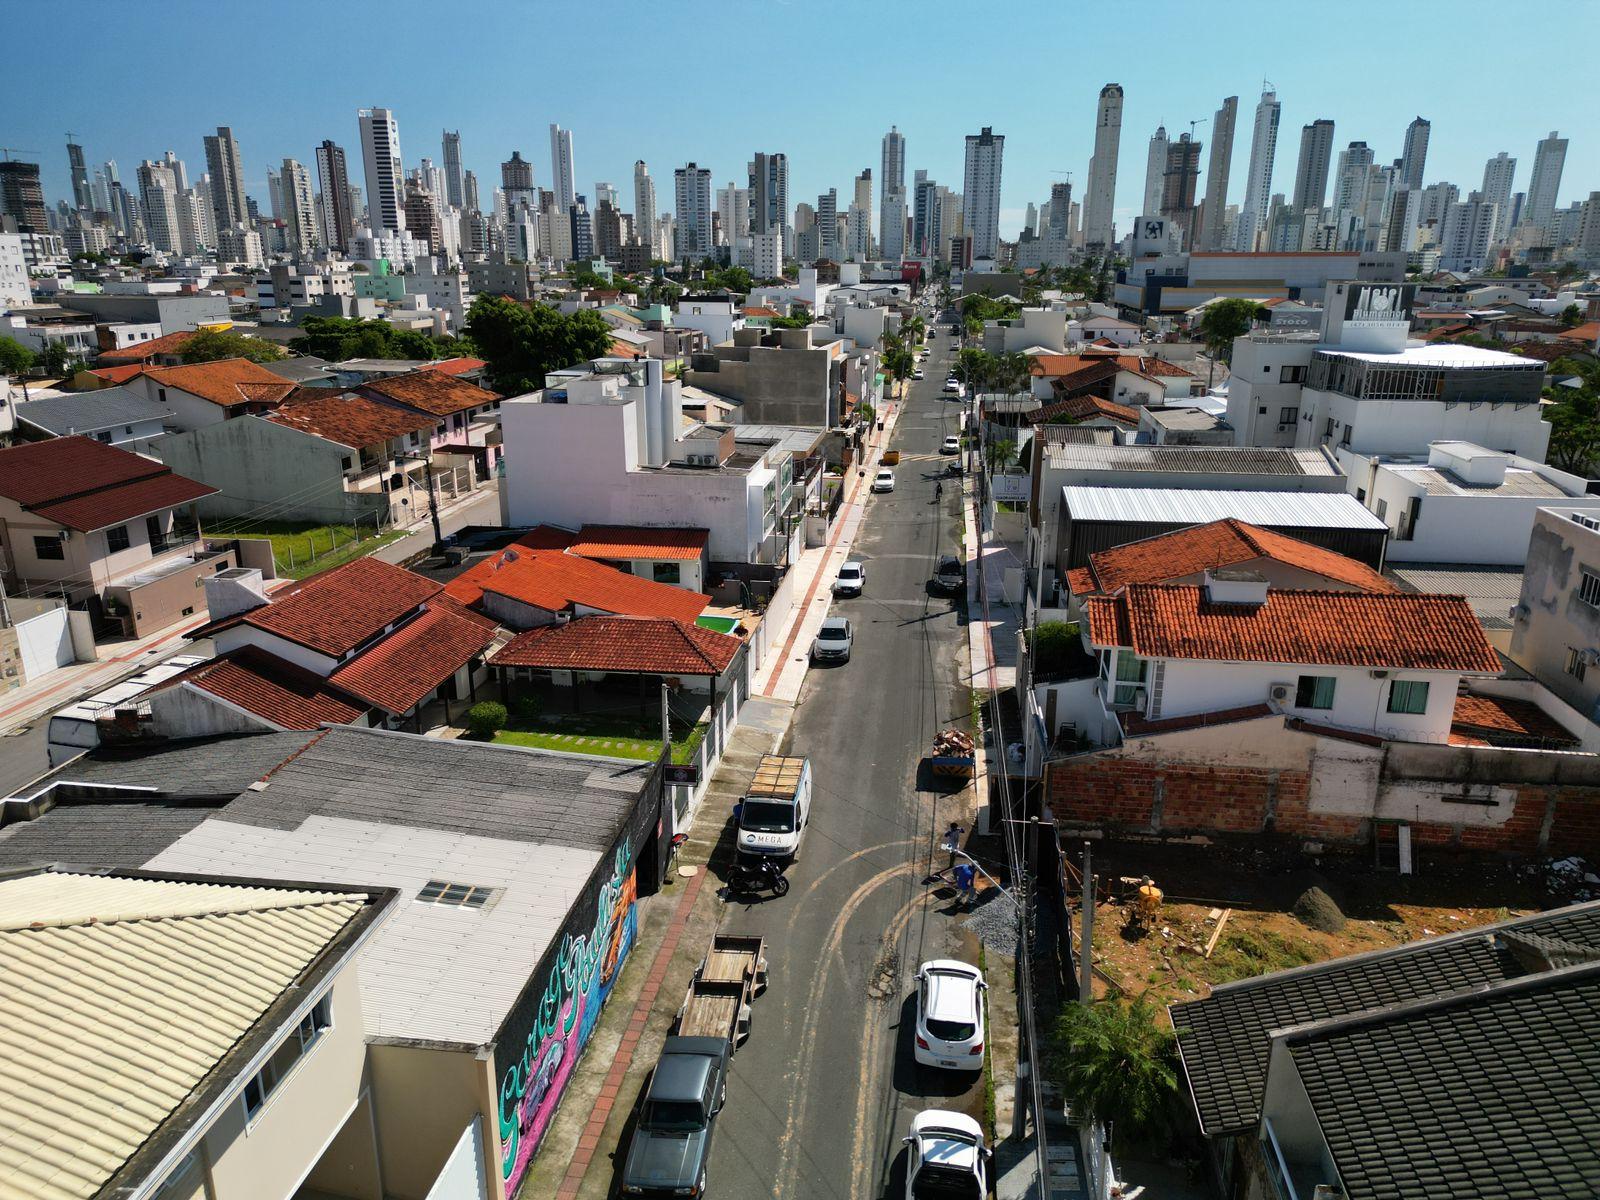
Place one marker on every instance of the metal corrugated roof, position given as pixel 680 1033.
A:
pixel 121 996
pixel 1197 460
pixel 1182 506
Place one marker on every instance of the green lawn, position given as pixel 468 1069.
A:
pixel 605 734
pixel 303 548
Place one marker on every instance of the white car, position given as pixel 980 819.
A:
pixel 950 1015
pixel 952 385
pixel 948 1159
pixel 918 374
pixel 950 445
pixel 852 579
pixel 883 481
pixel 833 641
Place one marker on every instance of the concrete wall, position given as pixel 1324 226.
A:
pixel 44 642
pixel 168 599
pixel 268 1157
pixel 1259 777
pixel 1407 426
pixel 422 1098
pixel 1557 619
pixel 259 464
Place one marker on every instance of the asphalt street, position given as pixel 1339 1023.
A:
pixel 826 1086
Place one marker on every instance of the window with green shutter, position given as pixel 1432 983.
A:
pixel 1408 696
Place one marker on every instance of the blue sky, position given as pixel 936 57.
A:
pixel 819 79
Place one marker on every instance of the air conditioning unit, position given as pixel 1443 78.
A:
pixel 1589 657
pixel 1280 692
pixel 1520 612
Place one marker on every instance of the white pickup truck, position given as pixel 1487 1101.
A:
pixel 775 808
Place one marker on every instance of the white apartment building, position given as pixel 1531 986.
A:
pixel 1461 503
pixel 606 444
pixel 380 153
pixel 716 316
pixel 981 191
pixel 1555 631
pixel 14 290
pixel 692 219
pixel 1363 389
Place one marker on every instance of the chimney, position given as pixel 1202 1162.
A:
pixel 1246 589
pixel 236 590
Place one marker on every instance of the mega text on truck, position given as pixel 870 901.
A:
pixel 776 807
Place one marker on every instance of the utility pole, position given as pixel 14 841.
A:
pixel 433 507
pixel 666 724
pixel 1086 944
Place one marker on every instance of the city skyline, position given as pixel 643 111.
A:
pixel 1047 121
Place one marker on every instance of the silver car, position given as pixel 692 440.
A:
pixel 833 641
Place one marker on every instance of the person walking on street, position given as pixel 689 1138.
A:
pixel 966 885
pixel 952 843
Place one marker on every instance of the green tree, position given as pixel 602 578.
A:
pixel 486 718
pixel 56 359
pixel 1571 315
pixel 524 344
pixel 339 338
pixel 209 345
pixel 914 330
pixel 1574 417
pixel 999 454
pixel 1114 1062
pixel 897 360
pixel 15 358
pixel 1225 320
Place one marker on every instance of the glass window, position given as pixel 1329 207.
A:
pixel 1286 416
pixel 49 549
pixel 666 572
pixel 1408 696
pixel 1131 673
pixel 1575 666
pixel 1314 691
pixel 117 538
pixel 1589 589
pixel 293 1048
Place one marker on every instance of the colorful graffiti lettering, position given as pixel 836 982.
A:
pixel 575 991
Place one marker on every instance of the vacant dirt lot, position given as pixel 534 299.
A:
pixel 1168 960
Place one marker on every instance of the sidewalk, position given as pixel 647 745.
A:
pixel 481 507
pixel 781 676
pixel 592 1117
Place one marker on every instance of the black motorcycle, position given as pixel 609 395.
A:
pixel 752 876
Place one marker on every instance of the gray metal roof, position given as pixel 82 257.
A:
pixel 1200 460
pixel 305 368
pixel 89 412
pixel 99 833
pixel 1183 506
pixel 1184 418
pixel 463 787
pixel 1054 435
pixel 1009 402
pixel 795 439
pixel 1488 1093
pixel 369 807
pixel 1225 1039
pixel 218 767
pixel 1489 591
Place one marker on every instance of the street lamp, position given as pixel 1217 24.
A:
pixel 433 503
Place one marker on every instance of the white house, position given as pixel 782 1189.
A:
pixel 717 316
pixel 1462 503
pixel 608 444
pixel 1382 664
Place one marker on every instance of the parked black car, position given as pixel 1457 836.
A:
pixel 673 1139
pixel 950 576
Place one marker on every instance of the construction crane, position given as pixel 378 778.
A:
pixel 1192 125
pixel 8 151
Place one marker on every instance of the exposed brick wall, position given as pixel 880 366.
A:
pixel 1121 795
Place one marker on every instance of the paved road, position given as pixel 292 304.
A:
pixel 826 1086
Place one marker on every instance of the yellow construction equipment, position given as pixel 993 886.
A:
pixel 1145 908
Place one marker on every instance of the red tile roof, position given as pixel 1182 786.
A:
pixel 1087 408
pixel 457 366
pixel 1225 543
pixel 434 392
pixel 227 382
pixel 346 418
pixel 635 541
pixel 1585 333
pixel 759 310
pixel 139 352
pixel 1400 631
pixel 84 484
pixel 558 582
pixel 275 690
pixel 119 374
pixel 1151 367
pixel 621 349
pixel 1503 718
pixel 336 611
pixel 640 645
pixel 412 661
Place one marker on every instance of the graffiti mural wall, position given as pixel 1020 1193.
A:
pixel 540 1047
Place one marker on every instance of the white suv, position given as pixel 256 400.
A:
pixel 948 1160
pixel 950 1015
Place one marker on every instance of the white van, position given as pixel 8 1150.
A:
pixel 776 807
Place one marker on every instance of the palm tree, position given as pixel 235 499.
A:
pixel 914 329
pixel 1117 1065
pixel 999 455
